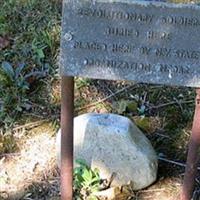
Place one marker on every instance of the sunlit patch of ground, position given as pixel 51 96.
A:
pixel 165 189
pixel 33 168
pixel 31 173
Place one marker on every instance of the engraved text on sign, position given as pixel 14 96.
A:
pixel 127 40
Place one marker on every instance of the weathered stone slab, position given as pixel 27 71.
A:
pixel 146 42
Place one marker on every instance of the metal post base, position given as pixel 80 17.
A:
pixel 67 115
pixel 193 154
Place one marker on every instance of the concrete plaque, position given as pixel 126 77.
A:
pixel 146 42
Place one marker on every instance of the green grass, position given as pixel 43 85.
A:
pixel 32 29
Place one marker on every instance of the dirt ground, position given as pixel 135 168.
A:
pixel 31 172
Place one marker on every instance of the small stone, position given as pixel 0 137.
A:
pixel 113 193
pixel 113 144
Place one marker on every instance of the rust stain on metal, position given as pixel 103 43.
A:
pixel 193 154
pixel 67 115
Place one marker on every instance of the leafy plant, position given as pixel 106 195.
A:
pixel 82 82
pixel 144 123
pixel 38 50
pixel 14 86
pixel 86 181
pixel 30 30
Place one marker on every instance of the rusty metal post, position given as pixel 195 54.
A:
pixel 67 115
pixel 193 154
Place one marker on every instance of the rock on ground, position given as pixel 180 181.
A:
pixel 113 144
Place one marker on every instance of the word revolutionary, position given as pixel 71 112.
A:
pixel 115 15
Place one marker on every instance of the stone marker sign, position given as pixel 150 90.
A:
pixel 128 40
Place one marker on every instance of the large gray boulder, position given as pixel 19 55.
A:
pixel 113 144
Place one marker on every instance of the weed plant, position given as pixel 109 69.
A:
pixel 86 181
pixel 31 29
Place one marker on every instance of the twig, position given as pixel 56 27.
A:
pixel 152 190
pixel 104 99
pixel 179 103
pixel 171 103
pixel 34 115
pixel 162 135
pixel 174 162
pixel 30 125
pixel 9 154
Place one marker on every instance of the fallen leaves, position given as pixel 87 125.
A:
pixel 4 42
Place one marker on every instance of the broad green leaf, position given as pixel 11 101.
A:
pixel 19 70
pixel 92 197
pixel 40 53
pixel 143 123
pixel 87 175
pixel 132 106
pixel 8 69
pixel 82 162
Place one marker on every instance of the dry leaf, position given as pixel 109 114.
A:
pixel 3 43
